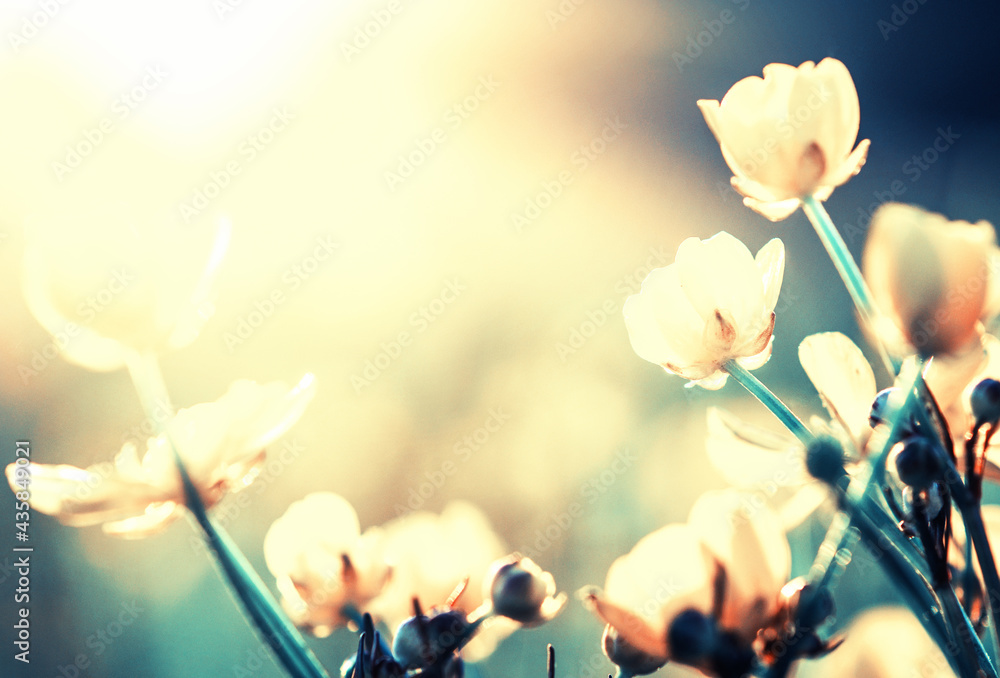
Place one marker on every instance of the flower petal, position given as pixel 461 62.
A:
pixel 842 377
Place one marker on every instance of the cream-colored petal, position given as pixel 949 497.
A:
pixel 81 497
pixel 840 173
pixel 774 211
pixel 843 378
pixel 747 539
pixel 770 261
pixel 644 634
pixel 320 518
pixel 720 274
pixel 712 382
pixel 154 519
pixel 750 456
pixel 662 325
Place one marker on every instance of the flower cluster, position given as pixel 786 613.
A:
pixel 903 467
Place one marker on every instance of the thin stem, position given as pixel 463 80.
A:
pixel 283 638
pixel 769 400
pixel 973 652
pixel 848 270
pixel 903 570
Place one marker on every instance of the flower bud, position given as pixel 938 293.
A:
pixel 882 411
pixel 825 459
pixel 522 591
pixel 422 640
pixel 632 660
pixel 930 276
pixel 985 401
pixel 916 462
pixel 691 637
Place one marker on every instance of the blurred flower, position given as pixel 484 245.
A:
pixel 430 556
pixel 713 304
pixel 712 583
pixel 931 276
pixel 522 591
pixel 221 444
pixel 105 284
pixel 322 562
pixel 873 648
pixel 789 134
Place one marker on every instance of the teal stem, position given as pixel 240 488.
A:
pixel 972 517
pixel 973 651
pixel 844 262
pixel 874 473
pixel 281 635
pixel 905 571
pixel 769 400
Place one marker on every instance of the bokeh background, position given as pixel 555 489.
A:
pixel 558 154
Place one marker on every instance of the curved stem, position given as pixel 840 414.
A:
pixel 769 400
pixel 283 638
pixel 849 272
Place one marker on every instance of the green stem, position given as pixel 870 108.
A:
pixel 282 636
pixel 903 570
pixel 769 400
pixel 972 517
pixel 848 270
pixel 973 651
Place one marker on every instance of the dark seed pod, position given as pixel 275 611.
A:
pixel 985 401
pixel 691 637
pixel 632 661
pixel 916 462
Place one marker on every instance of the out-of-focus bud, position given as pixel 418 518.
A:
pixel 931 276
pixel 424 640
pixel 825 459
pixel 916 463
pixel 522 591
pixel 632 660
pixel 985 401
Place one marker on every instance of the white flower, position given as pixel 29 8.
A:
pixel 675 569
pixel 110 284
pixel 931 276
pixel 322 563
pixel 713 304
pixel 789 134
pixel 221 444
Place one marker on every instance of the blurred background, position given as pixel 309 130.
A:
pixel 490 179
